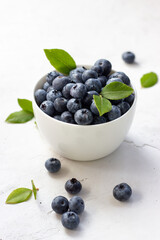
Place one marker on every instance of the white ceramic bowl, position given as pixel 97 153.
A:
pixel 84 143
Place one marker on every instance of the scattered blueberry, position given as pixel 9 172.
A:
pixel 47 107
pixel 105 66
pixel 122 76
pixel 93 85
pixel 73 186
pixel 124 107
pixel 113 80
pixel 51 76
pixel 70 220
pixel 88 98
pixel 74 104
pixel 53 165
pixel 60 204
pixel 60 104
pixel 122 192
pixel 114 113
pixel 76 204
pixel 78 90
pixel 59 82
pixel 89 74
pixel 53 94
pixel 67 117
pixel 130 99
pixel 99 119
pixel 128 57
pixel 40 96
pixel 83 117
pixel 66 90
pixel 94 109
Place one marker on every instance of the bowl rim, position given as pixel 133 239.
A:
pixel 76 125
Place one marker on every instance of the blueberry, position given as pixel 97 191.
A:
pixel 115 102
pixel 46 85
pixel 74 104
pixel 66 90
pixel 94 109
pixel 128 57
pixel 76 74
pixel 53 165
pixel 70 220
pixel 73 186
pixel 105 66
pixel 76 204
pixel 122 76
pixel 58 117
pixel 59 82
pixel 93 85
pixel 130 99
pixel 50 88
pixel 114 113
pixel 40 96
pixel 47 107
pixel 99 120
pixel 98 69
pixel 113 80
pixel 124 107
pixel 103 80
pixel 122 192
pixel 67 117
pixel 60 204
pixel 53 94
pixel 83 117
pixel 78 90
pixel 89 74
pixel 60 104
pixel 88 98
pixel 51 76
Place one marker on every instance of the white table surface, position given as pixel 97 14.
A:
pixel 88 30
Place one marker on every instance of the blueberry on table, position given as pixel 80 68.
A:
pixel 93 84
pixel 88 98
pixel 60 204
pixel 51 76
pixel 74 104
pixel 122 192
pixel 104 65
pixel 83 117
pixel 60 104
pixel 67 117
pixel 94 109
pixel 114 80
pixel 59 82
pixel 53 165
pixel 89 74
pixel 40 96
pixel 70 220
pixel 47 107
pixel 124 107
pixel 73 186
pixel 122 76
pixel 53 94
pixel 66 90
pixel 79 90
pixel 76 204
pixel 114 113
pixel 128 57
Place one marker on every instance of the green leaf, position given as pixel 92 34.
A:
pixel 34 189
pixel 25 104
pixel 116 91
pixel 103 105
pixel 19 195
pixel 19 117
pixel 149 79
pixel 60 60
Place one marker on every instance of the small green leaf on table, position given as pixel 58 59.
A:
pixel 116 91
pixel 149 79
pixel 34 189
pixel 19 195
pixel 60 60
pixel 103 105
pixel 20 117
pixel 25 104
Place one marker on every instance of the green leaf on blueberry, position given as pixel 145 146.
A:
pixel 103 105
pixel 19 195
pixel 149 79
pixel 60 60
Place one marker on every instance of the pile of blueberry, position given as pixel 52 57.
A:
pixel 70 98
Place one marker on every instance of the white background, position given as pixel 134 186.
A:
pixel 88 30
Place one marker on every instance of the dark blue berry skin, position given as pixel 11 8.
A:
pixel 46 85
pixel 40 96
pixel 60 104
pixel 58 117
pixel 79 90
pixel 47 107
pixel 76 204
pixel 70 220
pixel 99 120
pixel 94 109
pixel 83 117
pixel 122 192
pixel 89 74
pixel 67 117
pixel 60 204
pixel 93 85
pixel 50 88
pixel 103 80
pixel 130 99
pixel 74 104
pixel 51 76
pixel 53 94
pixel 88 98
pixel 105 66
pixel 114 113
pixel 122 76
pixel 115 102
pixel 124 107
pixel 73 186
pixel 53 165
pixel 113 80
pixel 98 69
pixel 128 57
pixel 76 74
pixel 66 90
pixel 59 82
